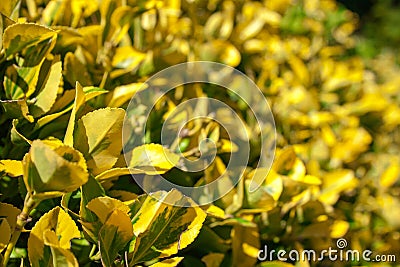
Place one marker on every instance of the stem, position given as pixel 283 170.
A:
pixel 104 80
pixel 22 219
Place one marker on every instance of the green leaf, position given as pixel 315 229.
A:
pixel 101 144
pixel 36 40
pixel 4 23
pixel 49 239
pixel 48 93
pixel 20 81
pixel 10 8
pixel 153 159
pixel 16 136
pixel 76 71
pixel 97 211
pixel 66 103
pixel 51 170
pixel 90 190
pixel 114 235
pixel 161 229
pixel 17 109
pixel 79 101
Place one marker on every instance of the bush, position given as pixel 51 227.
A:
pixel 69 69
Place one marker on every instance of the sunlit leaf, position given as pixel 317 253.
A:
pixel 245 246
pixel 153 159
pixel 54 230
pixel 115 233
pixel 11 8
pixel 54 170
pixel 124 93
pixel 339 228
pixel 102 145
pixel 79 100
pixel 47 95
pixel 156 226
pixel 11 167
pixel 172 262
pixel 29 37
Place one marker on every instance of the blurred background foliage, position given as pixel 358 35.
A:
pixel 331 77
pixel 376 29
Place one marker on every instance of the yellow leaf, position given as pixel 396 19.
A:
pixel 62 229
pixel 339 228
pixel 104 206
pixel 284 160
pixel 334 183
pixel 388 204
pixel 124 93
pixel 10 8
pixel 79 100
pixel 48 93
pixel 220 51
pixel 101 144
pixel 155 221
pixel 153 159
pixel 245 245
pixel 390 175
pixel 22 35
pixel 213 259
pixel 300 69
pixel 5 236
pixel 11 167
pixel 115 172
pixel 10 213
pixel 172 262
pixel 53 170
pixel 215 211
pixel 125 60
pixel 115 233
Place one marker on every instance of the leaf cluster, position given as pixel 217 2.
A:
pixel 68 69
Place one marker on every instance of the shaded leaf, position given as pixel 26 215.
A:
pixel 5 236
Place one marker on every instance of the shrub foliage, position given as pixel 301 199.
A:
pixel 68 69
